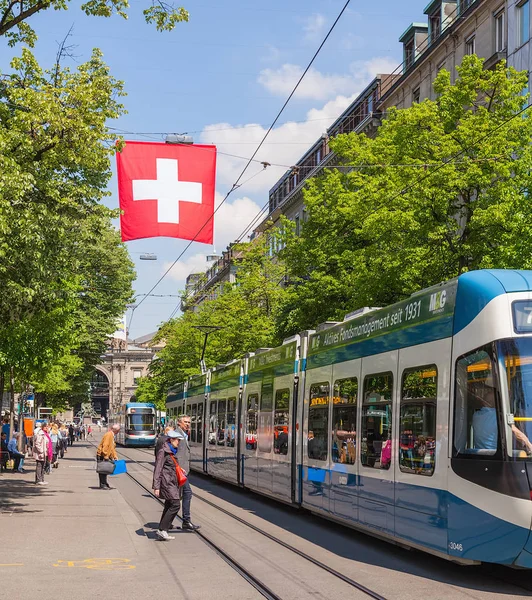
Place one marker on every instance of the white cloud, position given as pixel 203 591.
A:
pixel 313 27
pixel 321 86
pixel 283 147
pixel 315 85
pixel 229 222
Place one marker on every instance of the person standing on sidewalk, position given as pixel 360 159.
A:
pixel 183 458
pixel 107 451
pixel 165 482
pixel 40 453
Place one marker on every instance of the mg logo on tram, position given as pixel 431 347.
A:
pixel 437 301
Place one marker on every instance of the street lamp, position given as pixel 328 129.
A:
pixel 206 330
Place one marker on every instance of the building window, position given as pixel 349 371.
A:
pixel 297 228
pixel 500 41
pixel 417 426
pixel 523 22
pixel 435 26
pixel 344 423
pixel 318 421
pixel 376 445
pixel 409 54
pixel 470 45
pixel 137 374
pixel 416 95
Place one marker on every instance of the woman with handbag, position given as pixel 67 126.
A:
pixel 106 455
pixel 168 477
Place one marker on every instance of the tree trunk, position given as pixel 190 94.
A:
pixel 20 441
pixel 11 402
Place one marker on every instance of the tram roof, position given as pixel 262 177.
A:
pixel 431 314
pixel 278 361
pixel 226 376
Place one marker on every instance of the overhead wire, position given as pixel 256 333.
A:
pixel 237 184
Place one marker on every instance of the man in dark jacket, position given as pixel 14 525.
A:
pixel 183 457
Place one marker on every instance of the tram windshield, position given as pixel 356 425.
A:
pixel 516 355
pixel 139 422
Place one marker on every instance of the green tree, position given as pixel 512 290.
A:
pixel 245 312
pixel 442 189
pixel 65 275
pixel 15 15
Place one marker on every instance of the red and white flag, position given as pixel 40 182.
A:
pixel 166 190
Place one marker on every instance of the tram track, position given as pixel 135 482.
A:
pixel 349 581
pixel 488 569
pixel 256 583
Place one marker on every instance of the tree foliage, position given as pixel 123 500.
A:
pixel 15 15
pixel 65 275
pixel 245 312
pixel 443 188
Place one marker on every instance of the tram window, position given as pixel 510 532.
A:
pixel 251 421
pixel 230 434
pixel 220 436
pixel 265 422
pixel 213 423
pixel 199 424
pixel 517 356
pixel 318 421
pixel 376 445
pixel 476 431
pixel 193 410
pixel 344 423
pixel 417 423
pixel 281 421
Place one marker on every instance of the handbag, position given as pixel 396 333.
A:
pixel 181 477
pixel 105 467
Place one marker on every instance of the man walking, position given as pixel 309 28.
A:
pixel 183 458
pixel 107 451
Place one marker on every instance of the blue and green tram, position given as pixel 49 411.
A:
pixel 412 422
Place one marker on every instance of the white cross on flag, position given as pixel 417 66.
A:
pixel 166 190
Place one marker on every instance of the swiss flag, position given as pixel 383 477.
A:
pixel 166 190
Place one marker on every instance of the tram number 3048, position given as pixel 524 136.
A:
pixel 456 547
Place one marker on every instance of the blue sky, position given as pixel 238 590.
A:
pixel 223 77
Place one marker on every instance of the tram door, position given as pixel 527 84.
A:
pixel 376 499
pixel 421 414
pixel 315 480
pixel 344 439
pixel 283 406
pixel 250 411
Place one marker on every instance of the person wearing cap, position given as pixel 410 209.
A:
pixel 162 439
pixel 165 483
pixel 183 456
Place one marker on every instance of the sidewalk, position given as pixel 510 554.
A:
pixel 71 539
